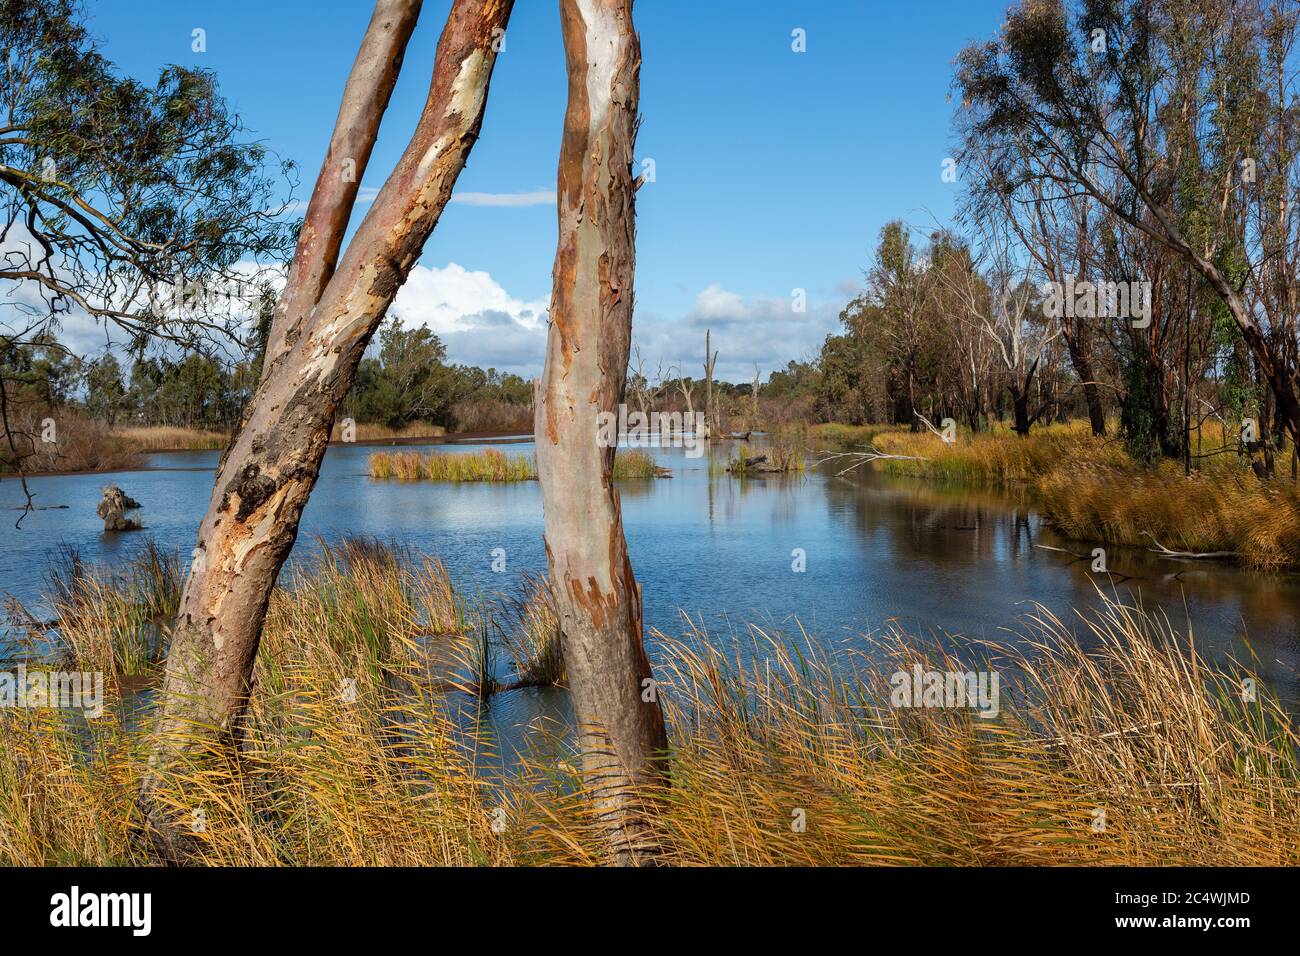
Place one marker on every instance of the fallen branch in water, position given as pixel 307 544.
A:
pixel 1048 547
pixel 1161 549
pixel 1121 576
pixel 862 457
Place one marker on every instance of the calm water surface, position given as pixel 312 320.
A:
pixel 936 559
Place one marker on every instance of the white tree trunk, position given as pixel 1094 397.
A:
pixel 266 475
pixel 620 722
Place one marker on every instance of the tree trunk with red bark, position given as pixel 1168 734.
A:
pixel 619 720
pixel 325 321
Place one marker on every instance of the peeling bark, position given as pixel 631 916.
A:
pixel 266 475
pixel 620 722
pixel 365 100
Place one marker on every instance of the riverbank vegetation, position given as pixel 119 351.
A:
pixel 150 438
pixel 105 415
pixel 1090 488
pixel 1114 744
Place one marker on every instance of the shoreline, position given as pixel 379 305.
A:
pixel 484 437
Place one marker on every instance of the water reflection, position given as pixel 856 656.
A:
pixel 935 559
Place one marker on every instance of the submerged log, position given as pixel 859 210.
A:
pixel 758 463
pixel 113 507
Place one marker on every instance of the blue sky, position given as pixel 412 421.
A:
pixel 774 169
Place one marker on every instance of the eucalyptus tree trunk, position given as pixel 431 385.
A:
pixel 365 100
pixel 267 473
pixel 619 721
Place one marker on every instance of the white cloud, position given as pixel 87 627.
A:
pixel 766 332
pixel 537 197
pixel 477 319
pixel 482 324
pixel 367 194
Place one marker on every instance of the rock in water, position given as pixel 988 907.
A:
pixel 113 507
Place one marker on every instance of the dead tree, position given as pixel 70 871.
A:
pixel 620 724
pixel 710 363
pixel 687 388
pixel 267 473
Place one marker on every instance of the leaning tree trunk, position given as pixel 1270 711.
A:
pixel 365 100
pixel 616 708
pixel 265 476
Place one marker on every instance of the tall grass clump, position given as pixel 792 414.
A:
pixel 350 752
pixel 492 465
pixel 171 438
pixel 837 436
pixel 996 455
pixel 783 455
pixel 355 752
pixel 635 463
pixel 531 633
pixel 1257 522
pixel 784 756
pixel 487 465
pixel 113 619
pixel 377 431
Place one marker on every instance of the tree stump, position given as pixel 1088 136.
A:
pixel 113 508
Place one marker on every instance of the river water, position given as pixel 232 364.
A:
pixel 934 558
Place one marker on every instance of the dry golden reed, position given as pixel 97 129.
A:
pixel 357 751
pixel 1090 489
pixel 492 465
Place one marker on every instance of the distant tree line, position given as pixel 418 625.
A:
pixel 405 380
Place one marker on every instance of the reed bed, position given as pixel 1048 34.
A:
pixel 838 436
pixel 374 431
pixel 493 465
pixel 171 438
pixel 1115 743
pixel 1090 489
pixel 1122 728
pixel 487 465
pixel 997 455
pixel 111 619
pixel 778 457
pixel 632 464
pixel 1258 522
pixel 531 634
